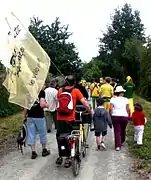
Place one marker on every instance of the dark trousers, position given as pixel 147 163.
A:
pixel 64 128
pixel 119 125
pixel 50 118
pixel 55 118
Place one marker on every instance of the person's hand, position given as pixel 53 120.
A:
pixel 145 120
pixel 47 105
pixel 92 111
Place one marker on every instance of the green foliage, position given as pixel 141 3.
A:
pixel 2 73
pixel 142 153
pixel 48 79
pixel 6 108
pixel 124 32
pixel 133 53
pixel 91 70
pixel 110 67
pixel 9 127
pixel 145 73
pixel 55 41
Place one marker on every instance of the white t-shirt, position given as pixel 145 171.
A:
pixel 51 98
pixel 119 106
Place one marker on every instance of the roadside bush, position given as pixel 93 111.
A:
pixel 6 108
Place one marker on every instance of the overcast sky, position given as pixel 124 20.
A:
pixel 86 18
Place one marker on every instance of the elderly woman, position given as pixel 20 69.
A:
pixel 120 113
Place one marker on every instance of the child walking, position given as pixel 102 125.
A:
pixel 101 119
pixel 139 121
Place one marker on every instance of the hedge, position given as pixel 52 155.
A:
pixel 6 108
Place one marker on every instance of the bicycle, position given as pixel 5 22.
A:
pixel 84 118
pixel 73 145
pixel 77 141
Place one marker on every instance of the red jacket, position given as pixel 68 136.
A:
pixel 138 118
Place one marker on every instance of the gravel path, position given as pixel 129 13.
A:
pixel 98 165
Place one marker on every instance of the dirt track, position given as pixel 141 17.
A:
pixel 102 165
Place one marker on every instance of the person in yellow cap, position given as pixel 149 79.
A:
pixel 94 92
pixel 129 86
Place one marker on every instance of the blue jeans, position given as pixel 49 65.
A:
pixel 38 124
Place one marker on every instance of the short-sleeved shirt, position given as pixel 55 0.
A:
pixel 51 98
pixel 119 106
pixel 138 118
pixel 106 90
pixel 129 87
pixel 94 89
pixel 36 111
pixel 76 96
pixel 83 90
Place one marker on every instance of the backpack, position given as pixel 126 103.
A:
pixel 65 102
pixel 22 135
pixel 95 86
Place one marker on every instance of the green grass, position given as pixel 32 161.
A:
pixel 142 154
pixel 9 126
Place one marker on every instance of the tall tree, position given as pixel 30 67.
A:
pixel 145 71
pixel 126 25
pixel 55 41
pixel 133 53
pixel 91 70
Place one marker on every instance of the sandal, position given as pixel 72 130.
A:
pixel 59 161
pixel 67 163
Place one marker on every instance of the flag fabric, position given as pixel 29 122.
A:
pixel 28 66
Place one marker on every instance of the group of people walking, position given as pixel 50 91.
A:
pixel 115 108
pixel 112 105
pixel 58 106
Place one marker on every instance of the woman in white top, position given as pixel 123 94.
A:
pixel 120 113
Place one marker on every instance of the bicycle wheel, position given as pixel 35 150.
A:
pixel 75 166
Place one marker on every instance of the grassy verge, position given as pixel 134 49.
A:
pixel 142 164
pixel 9 126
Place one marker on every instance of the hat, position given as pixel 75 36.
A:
pixel 100 101
pixel 128 78
pixel 101 80
pixel 119 89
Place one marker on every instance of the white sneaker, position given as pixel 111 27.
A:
pixel 117 149
pixel 103 145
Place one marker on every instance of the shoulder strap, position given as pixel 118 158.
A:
pixel 67 90
pixel 95 85
pixel 115 85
